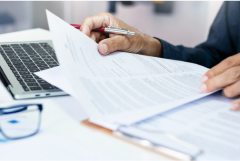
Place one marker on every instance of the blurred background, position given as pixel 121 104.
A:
pixel 185 23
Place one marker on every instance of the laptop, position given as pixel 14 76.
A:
pixel 19 61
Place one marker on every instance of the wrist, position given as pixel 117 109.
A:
pixel 151 47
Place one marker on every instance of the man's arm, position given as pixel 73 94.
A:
pixel 220 42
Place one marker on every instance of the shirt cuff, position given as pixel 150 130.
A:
pixel 168 50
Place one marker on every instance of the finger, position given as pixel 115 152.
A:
pixel 224 79
pixel 94 22
pixel 221 67
pixel 232 90
pixel 118 42
pixel 235 105
pixel 95 36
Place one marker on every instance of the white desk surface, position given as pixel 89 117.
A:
pixel 62 115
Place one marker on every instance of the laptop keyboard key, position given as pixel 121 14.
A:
pixel 42 81
pixel 13 57
pixel 33 70
pixel 42 65
pixel 32 67
pixel 5 58
pixel 49 60
pixel 9 51
pixel 44 68
pixel 53 65
pixel 25 88
pixel 29 63
pixel 39 62
pixel 12 68
pixel 19 79
pixel 22 83
pixel 32 53
pixel 24 45
pixel 22 69
pixel 5 46
pixel 27 60
pixel 17 63
pixel 32 84
pixel 24 73
pixel 46 57
pixel 43 54
pixel 12 54
pixel 24 57
pixel 37 59
pixel 46 86
pixel 19 66
pixel 34 56
pixel 14 71
pixel 15 45
pixel 27 76
pixel 15 60
pixel 10 65
pixel 19 52
pixel 16 75
pixel 35 88
pixel 29 80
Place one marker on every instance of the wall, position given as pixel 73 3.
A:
pixel 39 19
pixel 187 25
pixel 21 13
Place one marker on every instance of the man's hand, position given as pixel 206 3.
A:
pixel 225 75
pixel 107 43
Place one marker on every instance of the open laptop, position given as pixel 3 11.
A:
pixel 18 62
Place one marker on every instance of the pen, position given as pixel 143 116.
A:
pixel 109 29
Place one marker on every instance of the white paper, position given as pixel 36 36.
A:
pixel 55 76
pixel 207 123
pixel 122 87
pixel 48 146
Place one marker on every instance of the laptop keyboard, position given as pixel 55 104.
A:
pixel 25 59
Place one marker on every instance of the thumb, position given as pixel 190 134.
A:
pixel 118 42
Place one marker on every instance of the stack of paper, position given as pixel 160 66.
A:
pixel 121 85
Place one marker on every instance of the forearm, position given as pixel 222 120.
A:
pixel 199 55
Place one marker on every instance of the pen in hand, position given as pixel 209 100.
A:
pixel 109 29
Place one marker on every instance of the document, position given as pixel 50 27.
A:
pixel 56 77
pixel 207 123
pixel 121 88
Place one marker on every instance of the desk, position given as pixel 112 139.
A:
pixel 62 115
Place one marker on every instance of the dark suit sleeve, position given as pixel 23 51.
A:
pixel 218 46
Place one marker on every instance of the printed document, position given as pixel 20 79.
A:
pixel 122 87
pixel 207 123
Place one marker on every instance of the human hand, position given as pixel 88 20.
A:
pixel 107 43
pixel 225 75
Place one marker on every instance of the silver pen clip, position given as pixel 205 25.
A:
pixel 118 30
